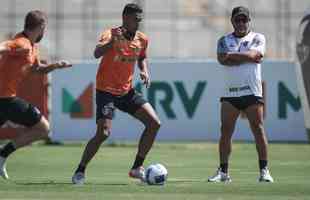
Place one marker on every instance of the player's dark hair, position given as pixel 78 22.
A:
pixel 34 19
pixel 132 8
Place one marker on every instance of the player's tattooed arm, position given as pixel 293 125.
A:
pixel 228 58
pixel 103 46
pixel 44 68
pixel 223 60
pixel 222 53
pixel 6 48
pixel 101 49
pixel 238 58
pixel 144 72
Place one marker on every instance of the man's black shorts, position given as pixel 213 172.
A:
pixel 18 111
pixel 107 102
pixel 243 102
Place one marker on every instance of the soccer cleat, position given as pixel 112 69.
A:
pixel 138 173
pixel 220 177
pixel 3 172
pixel 78 178
pixel 265 176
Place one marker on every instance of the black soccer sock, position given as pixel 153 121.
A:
pixel 138 162
pixel 224 167
pixel 80 168
pixel 263 164
pixel 7 150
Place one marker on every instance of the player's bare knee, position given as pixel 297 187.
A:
pixel 227 129
pixel 153 124
pixel 43 128
pixel 106 132
pixel 102 134
pixel 257 128
pixel 156 124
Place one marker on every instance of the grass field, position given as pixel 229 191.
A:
pixel 44 172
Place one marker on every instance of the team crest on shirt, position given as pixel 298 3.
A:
pixel 122 57
pixel 245 43
pixel 125 59
pixel 256 42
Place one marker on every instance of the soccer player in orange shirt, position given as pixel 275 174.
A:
pixel 120 48
pixel 19 57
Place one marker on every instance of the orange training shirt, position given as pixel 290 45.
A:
pixel 116 69
pixel 13 66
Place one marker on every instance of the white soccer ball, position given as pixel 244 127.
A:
pixel 156 174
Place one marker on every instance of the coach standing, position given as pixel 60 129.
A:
pixel 241 53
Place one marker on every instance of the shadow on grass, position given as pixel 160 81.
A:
pixel 67 183
pixel 186 180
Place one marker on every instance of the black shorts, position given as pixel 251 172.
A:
pixel 107 102
pixel 243 102
pixel 19 112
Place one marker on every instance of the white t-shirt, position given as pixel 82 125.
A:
pixel 244 79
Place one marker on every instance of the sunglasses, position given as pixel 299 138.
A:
pixel 243 20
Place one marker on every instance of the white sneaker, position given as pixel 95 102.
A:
pixel 265 176
pixel 220 177
pixel 3 172
pixel 78 178
pixel 138 173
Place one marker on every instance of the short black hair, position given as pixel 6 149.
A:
pixel 34 19
pixel 132 8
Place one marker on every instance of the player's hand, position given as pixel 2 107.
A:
pixel 63 64
pixel 117 33
pixel 256 56
pixel 145 79
pixel 102 48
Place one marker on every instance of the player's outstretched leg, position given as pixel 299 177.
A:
pixel 103 132
pixel 149 118
pixel 37 132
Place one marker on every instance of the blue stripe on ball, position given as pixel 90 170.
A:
pixel 147 176
pixel 160 179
